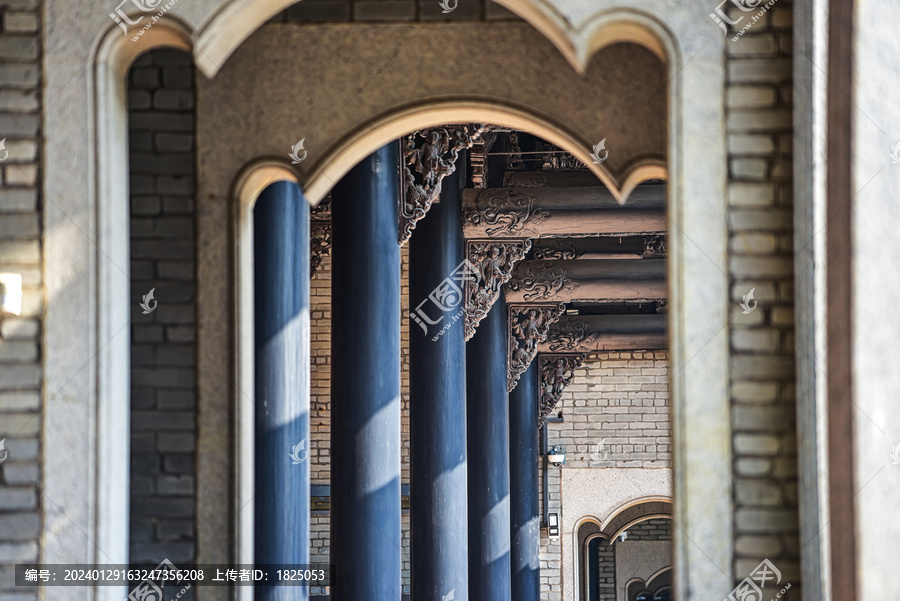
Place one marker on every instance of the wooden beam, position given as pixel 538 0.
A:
pixel 552 179
pixel 559 212
pixel 605 247
pixel 587 280
pixel 591 333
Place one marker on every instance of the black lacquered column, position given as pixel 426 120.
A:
pixel 488 448
pixel 437 413
pixel 281 311
pixel 523 481
pixel 365 382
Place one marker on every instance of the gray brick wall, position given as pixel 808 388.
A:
pixel 655 529
pixel 163 380
pixel 20 252
pixel 759 121
pixel 617 415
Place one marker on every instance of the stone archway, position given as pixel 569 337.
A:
pixel 95 118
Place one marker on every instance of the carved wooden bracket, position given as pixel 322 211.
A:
pixel 556 372
pixel 528 325
pixel 428 157
pixel 319 234
pixel 495 261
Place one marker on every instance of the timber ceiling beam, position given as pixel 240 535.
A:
pixel 602 280
pixel 559 212
pixel 606 247
pixel 592 333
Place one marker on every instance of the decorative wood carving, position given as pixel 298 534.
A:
pixel 495 261
pixel 319 234
pixel 558 249
pixel 514 158
pixel 655 246
pixel 592 333
pixel 556 372
pixel 319 244
pixel 528 325
pixel 570 335
pixel 428 157
pixel 559 212
pixel 503 210
pixel 541 281
pixel 478 156
pixel 587 280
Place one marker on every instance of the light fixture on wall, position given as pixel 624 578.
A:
pixel 10 295
pixel 556 456
pixel 623 536
pixel 553 525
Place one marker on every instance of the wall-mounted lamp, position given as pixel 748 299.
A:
pixel 623 536
pixel 553 525
pixel 10 295
pixel 556 456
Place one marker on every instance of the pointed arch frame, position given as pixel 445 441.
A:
pixel 92 199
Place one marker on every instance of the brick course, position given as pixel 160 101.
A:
pixel 759 68
pixel 163 352
pixel 20 252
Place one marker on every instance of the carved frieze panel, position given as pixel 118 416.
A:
pixel 555 372
pixel 528 326
pixel 560 248
pixel 428 157
pixel 541 281
pixel 569 335
pixel 495 261
pixel 504 211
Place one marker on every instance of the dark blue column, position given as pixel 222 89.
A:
pixel 365 381
pixel 281 312
pixel 524 512
pixel 488 446
pixel 437 412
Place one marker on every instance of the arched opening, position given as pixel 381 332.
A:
pixel 630 558
pixel 107 174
